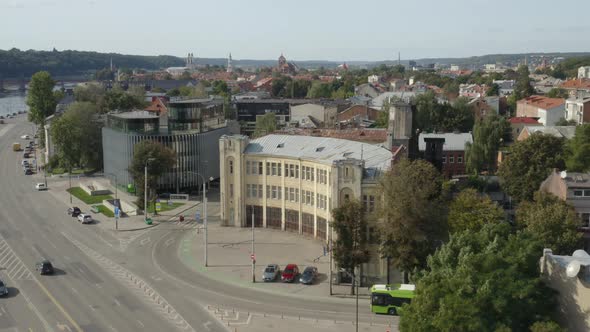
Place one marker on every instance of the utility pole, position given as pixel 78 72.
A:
pixel 205 218
pixel 330 250
pixel 253 254
pixel 357 302
pixel 145 192
pixel 70 177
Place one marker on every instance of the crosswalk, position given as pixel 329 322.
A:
pixel 11 264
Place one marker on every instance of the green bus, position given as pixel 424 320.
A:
pixel 388 299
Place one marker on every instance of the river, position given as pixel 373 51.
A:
pixel 13 102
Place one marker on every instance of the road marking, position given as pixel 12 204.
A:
pixel 206 325
pixel 74 290
pixel 92 307
pixel 63 327
pixel 140 323
pixel 59 306
pixel 169 242
pixel 144 241
pixel 117 302
pixel 156 278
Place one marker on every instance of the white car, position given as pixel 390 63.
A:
pixel 40 186
pixel 85 218
pixel 25 137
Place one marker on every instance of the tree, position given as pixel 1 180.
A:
pixel 265 124
pixel 413 214
pixel 351 245
pixel 481 281
pixel 488 135
pixel 551 221
pixel 220 88
pixel 77 136
pixel 523 87
pixel 164 158
pixel 529 163
pixel 578 148
pixel 40 98
pixel 494 90
pixel 319 90
pixel 547 326
pixel 462 116
pixel 557 93
pixel 470 211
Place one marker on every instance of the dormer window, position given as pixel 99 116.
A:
pixel 319 149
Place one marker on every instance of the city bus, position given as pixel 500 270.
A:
pixel 388 299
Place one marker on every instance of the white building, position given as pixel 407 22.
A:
pixel 584 72
pixel 373 79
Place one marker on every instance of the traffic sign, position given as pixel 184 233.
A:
pixel 252 257
pixel 117 211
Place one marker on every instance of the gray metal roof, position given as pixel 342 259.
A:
pixel 453 141
pixel 557 131
pixel 323 150
pixel 135 115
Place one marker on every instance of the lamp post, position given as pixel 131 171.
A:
pixel 117 205
pixel 253 253
pixel 145 181
pixel 204 213
pixel 356 282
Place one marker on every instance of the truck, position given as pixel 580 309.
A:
pixel 15 146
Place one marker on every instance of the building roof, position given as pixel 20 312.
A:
pixel 135 115
pixel 370 135
pixel 557 131
pixel 542 102
pixel 523 120
pixel 320 149
pixel 580 83
pixel 403 95
pixel 453 141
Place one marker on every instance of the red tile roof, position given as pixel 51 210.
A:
pixel 524 119
pixel 542 102
pixel 580 83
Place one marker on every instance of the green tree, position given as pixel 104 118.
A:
pixel 552 221
pixel 488 135
pixel 481 281
pixel 529 163
pixel 265 124
pixel 164 158
pixel 578 148
pixel 564 122
pixel 319 90
pixel 494 90
pixel 461 116
pixel 220 88
pixel 40 98
pixel 547 326
pixel 351 246
pixel 523 87
pixel 557 93
pixel 412 222
pixel 470 211
pixel 383 117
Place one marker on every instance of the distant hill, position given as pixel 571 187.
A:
pixel 15 63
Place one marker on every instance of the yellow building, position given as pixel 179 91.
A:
pixel 292 183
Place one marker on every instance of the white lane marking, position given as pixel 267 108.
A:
pixel 140 323
pixel 6 128
pixel 63 327
pixel 144 241
pixel 74 290
pixel 117 302
pixel 206 325
pixel 92 307
pixel 105 241
pixel 169 242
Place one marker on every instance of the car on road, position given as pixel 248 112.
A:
pixel 40 186
pixel 74 211
pixel 24 163
pixel 44 267
pixel 3 288
pixel 309 275
pixel 290 273
pixel 25 137
pixel 28 171
pixel 85 218
pixel 271 272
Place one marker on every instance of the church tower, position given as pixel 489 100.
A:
pixel 230 68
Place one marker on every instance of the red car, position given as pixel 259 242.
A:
pixel 290 273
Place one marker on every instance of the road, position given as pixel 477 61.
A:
pixel 89 291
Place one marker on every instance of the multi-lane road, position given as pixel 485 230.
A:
pixel 142 286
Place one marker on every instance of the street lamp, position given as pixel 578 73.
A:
pixel 204 211
pixel 145 181
pixel 356 282
pixel 117 205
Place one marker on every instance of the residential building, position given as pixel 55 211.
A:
pixel 292 183
pixel 367 90
pixel 453 151
pixel 506 87
pixel 584 72
pixel 373 79
pixel 578 109
pixel 390 97
pixel 548 110
pixel 358 116
pixel 570 277
pixel 574 189
pixel 566 132
pixel 190 127
pixel 494 68
pixel 319 114
pixel 518 124
pixel 397 84
pixel 472 90
pixel 158 106
pixel 248 110
pixel 578 88
pixel 484 106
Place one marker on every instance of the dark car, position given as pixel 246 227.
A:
pixel 74 211
pixel 309 275
pixel 26 155
pixel 28 171
pixel 290 273
pixel 3 289
pixel 44 267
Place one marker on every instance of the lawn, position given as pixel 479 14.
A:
pixel 84 197
pixel 104 210
pixel 165 206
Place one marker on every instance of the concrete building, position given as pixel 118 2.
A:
pixel 584 72
pixel 358 116
pixel 570 277
pixel 558 131
pixel 506 87
pixel 578 110
pixel 518 124
pixel 191 128
pixel 248 110
pixel 453 151
pixel 292 183
pixel 320 114
pixel 548 110
pixel 574 189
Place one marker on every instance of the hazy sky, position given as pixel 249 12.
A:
pixel 301 29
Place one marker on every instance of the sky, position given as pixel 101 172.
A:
pixel 339 30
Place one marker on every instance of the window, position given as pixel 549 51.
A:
pixel 254 191
pixel 267 168
pixel 366 202
pixel 279 168
pixel 248 187
pixel 297 195
pixel 578 193
pixel 260 168
pixel 274 169
pixel 346 197
pixel 267 192
pixel 279 189
pixel 231 167
pixel 459 160
pixel 585 219
pixel 291 171
pixel 231 190
pixel 444 159
pixel 346 171
pixel 371 203
pixel 247 167
pixel 451 159
pixel 297 171
pixel 586 193
pixel 274 192
pixel 259 191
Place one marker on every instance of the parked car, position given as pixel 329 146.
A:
pixel 309 275
pixel 44 267
pixel 26 155
pixel 271 272
pixel 74 211
pixel 40 186
pixel 24 163
pixel 85 218
pixel 290 273
pixel 3 288
pixel 25 136
pixel 28 171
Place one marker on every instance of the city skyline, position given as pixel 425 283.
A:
pixel 312 31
